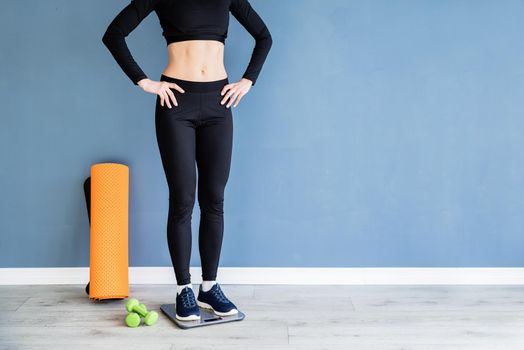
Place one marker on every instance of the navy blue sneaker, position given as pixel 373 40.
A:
pixel 186 307
pixel 214 299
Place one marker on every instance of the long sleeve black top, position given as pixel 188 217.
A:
pixel 187 20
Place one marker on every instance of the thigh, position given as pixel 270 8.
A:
pixel 176 141
pixel 214 142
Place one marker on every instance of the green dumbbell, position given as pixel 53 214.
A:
pixel 132 319
pixel 137 310
pixel 143 306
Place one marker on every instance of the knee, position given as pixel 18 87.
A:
pixel 181 204
pixel 211 202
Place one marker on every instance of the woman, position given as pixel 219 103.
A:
pixel 194 123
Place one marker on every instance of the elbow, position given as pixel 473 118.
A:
pixel 106 38
pixel 268 40
pixel 267 43
pixel 111 35
pixel 264 39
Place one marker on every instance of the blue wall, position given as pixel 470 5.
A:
pixel 380 133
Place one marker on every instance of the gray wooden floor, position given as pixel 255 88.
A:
pixel 277 317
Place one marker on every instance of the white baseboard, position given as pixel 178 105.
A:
pixel 279 275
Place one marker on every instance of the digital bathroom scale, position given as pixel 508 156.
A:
pixel 207 317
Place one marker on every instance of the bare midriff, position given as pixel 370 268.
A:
pixel 196 60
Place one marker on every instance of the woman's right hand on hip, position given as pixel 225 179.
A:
pixel 162 89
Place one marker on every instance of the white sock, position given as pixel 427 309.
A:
pixel 206 285
pixel 179 288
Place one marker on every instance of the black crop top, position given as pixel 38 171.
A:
pixel 187 20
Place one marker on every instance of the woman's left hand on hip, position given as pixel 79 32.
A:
pixel 235 91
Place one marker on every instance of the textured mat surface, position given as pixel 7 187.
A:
pixel 109 273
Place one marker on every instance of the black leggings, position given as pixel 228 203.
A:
pixel 199 130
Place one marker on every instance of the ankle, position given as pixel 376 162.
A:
pixel 179 288
pixel 207 285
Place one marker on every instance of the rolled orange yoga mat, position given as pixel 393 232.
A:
pixel 109 273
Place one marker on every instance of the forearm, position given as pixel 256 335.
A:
pixel 258 57
pixel 116 44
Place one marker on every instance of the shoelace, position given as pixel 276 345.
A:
pixel 188 299
pixel 217 292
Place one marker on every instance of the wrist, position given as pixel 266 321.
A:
pixel 248 80
pixel 143 83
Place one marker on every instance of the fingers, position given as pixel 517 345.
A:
pixel 240 95
pixel 225 88
pixel 229 90
pixel 175 86
pixel 166 98
pixel 172 95
pixel 234 92
pixel 167 95
pixel 234 95
pixel 231 98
